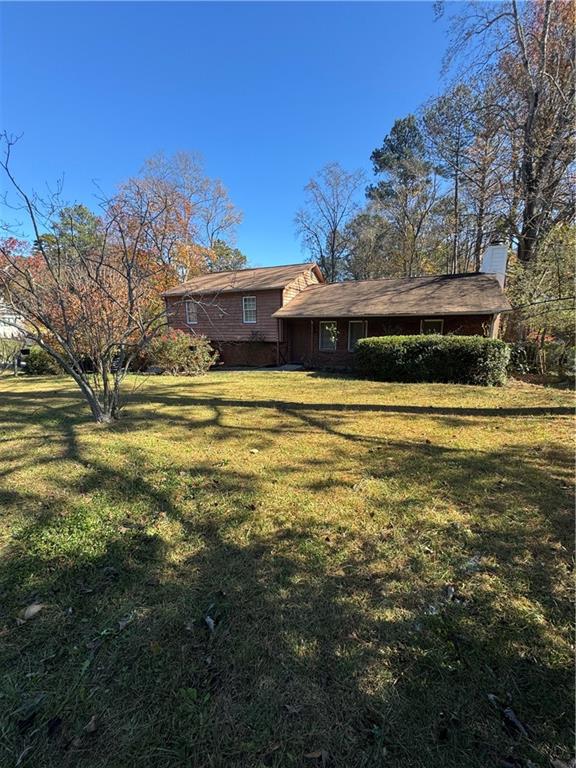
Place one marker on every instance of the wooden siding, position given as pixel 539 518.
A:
pixel 307 278
pixel 220 316
pixel 303 335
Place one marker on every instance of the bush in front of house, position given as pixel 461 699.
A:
pixel 39 363
pixel 434 358
pixel 178 353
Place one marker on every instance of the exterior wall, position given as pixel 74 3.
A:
pixel 258 354
pixel 302 281
pixel 220 316
pixel 259 344
pixel 7 317
pixel 303 335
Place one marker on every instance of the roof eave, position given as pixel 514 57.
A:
pixel 213 291
pixel 433 313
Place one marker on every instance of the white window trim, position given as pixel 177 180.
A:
pixel 327 349
pixel 248 322
pixel 364 323
pixel 432 320
pixel 187 304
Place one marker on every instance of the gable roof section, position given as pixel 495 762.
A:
pixel 475 293
pixel 259 279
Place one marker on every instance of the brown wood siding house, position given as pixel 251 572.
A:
pixel 235 310
pixel 276 315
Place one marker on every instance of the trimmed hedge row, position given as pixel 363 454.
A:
pixel 454 359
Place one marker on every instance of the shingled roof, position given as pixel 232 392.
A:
pixel 259 279
pixel 475 293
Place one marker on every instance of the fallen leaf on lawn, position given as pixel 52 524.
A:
pixel 293 709
pixel 22 756
pixel 123 623
pixel 31 611
pixel 473 565
pixel 513 722
pixel 92 724
pixel 318 754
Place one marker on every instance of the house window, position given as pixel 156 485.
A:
pixel 191 312
pixel 249 309
pixel 356 330
pixel 431 326
pixel 328 335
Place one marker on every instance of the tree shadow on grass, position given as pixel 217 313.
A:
pixel 364 646
pixel 181 396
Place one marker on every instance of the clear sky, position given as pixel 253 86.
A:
pixel 267 92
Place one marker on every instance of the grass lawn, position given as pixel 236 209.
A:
pixel 387 569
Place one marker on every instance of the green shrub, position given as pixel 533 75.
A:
pixel 552 357
pixel 455 359
pixel 177 352
pixel 39 363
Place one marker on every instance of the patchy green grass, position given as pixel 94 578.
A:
pixel 387 568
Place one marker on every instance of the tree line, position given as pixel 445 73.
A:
pixel 491 157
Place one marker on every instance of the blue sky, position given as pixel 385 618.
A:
pixel 267 92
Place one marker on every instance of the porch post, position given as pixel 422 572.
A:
pixel 278 322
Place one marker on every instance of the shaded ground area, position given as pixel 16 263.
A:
pixel 286 570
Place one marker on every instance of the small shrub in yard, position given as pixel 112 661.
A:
pixel 176 352
pixel 40 363
pixel 455 359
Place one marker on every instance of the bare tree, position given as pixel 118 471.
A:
pixel 448 123
pixel 192 212
pixel 321 223
pixel 528 50
pixel 371 246
pixel 90 301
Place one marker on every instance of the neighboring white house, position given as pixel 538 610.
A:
pixel 7 318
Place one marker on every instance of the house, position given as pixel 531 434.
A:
pixel 10 323
pixel 276 315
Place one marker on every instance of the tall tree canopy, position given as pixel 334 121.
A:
pixel 407 195
pixel 189 211
pixel 330 203
pixel 493 154
pixel 528 52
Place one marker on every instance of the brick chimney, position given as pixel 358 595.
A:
pixel 494 260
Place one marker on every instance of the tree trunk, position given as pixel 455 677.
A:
pixel 479 237
pixel 456 208
pixel 528 234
